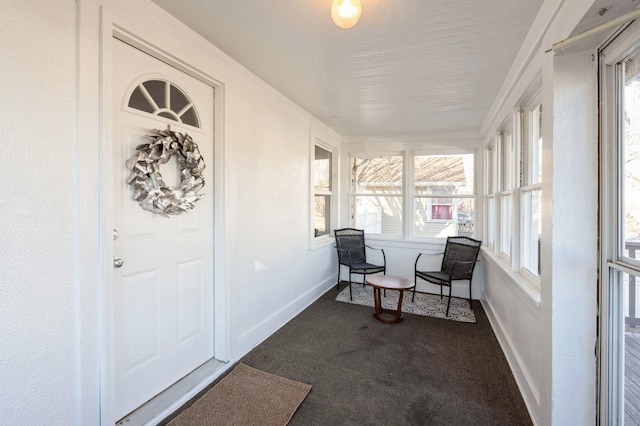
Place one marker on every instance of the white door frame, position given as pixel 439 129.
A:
pixel 95 234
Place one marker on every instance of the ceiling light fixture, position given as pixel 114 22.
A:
pixel 345 13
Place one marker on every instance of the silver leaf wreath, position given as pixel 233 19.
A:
pixel 150 190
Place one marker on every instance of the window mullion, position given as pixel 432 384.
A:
pixel 408 190
pixel 516 230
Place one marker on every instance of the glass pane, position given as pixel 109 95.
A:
pixel 377 175
pixel 506 166
pixel 322 173
pixel 157 90
pixel 532 231
pixel 433 218
pixel 321 216
pixel 630 167
pixel 535 146
pixel 177 99
pixel 190 118
pixel 491 220
pixel 139 101
pixel 378 214
pixel 505 224
pixel 444 174
pixel 488 171
pixel 631 348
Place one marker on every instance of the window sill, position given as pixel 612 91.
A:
pixel 397 242
pixel 525 286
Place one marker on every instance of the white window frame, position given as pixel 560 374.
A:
pixel 613 262
pixel 507 187
pixel 531 134
pixel 408 193
pixel 353 195
pixel 507 153
pixel 490 195
pixel 325 141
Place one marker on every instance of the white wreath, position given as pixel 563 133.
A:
pixel 150 190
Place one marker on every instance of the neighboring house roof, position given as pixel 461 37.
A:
pixel 429 169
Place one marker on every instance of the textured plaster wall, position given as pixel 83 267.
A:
pixel 37 213
pixel 271 269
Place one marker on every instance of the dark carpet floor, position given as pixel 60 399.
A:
pixel 422 371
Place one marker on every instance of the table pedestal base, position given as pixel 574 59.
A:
pixel 390 316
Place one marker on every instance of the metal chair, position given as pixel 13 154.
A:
pixel 459 260
pixel 352 254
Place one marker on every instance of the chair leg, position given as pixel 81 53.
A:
pixel 338 283
pixel 470 305
pixel 449 302
pixel 415 282
pixel 350 292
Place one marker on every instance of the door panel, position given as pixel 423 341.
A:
pixel 162 305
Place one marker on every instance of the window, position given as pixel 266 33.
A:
pixel 377 194
pixel 322 187
pixel 513 189
pixel 434 198
pixel 442 209
pixel 620 235
pixel 531 190
pixel 630 165
pixel 443 195
pixel 323 178
pixel 490 198
pixel 164 99
pixel 506 152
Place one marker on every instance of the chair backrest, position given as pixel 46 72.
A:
pixel 350 240
pixel 461 249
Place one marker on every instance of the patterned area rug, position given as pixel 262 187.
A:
pixel 428 305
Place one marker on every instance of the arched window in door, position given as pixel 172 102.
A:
pixel 164 99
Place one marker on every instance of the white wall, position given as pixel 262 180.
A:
pixel 38 253
pixel 271 271
pixel 548 335
pixel 574 252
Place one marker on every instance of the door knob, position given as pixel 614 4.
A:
pixel 117 262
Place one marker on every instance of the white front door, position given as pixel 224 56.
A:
pixel 162 300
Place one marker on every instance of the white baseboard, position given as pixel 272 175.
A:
pixel 528 390
pixel 259 332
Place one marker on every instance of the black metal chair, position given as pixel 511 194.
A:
pixel 459 260
pixel 352 254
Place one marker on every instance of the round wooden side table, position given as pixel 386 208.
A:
pixel 388 282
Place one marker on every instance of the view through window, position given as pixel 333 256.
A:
pixel 629 217
pixel 322 191
pixel 440 192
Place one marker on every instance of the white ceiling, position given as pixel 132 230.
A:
pixel 408 66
